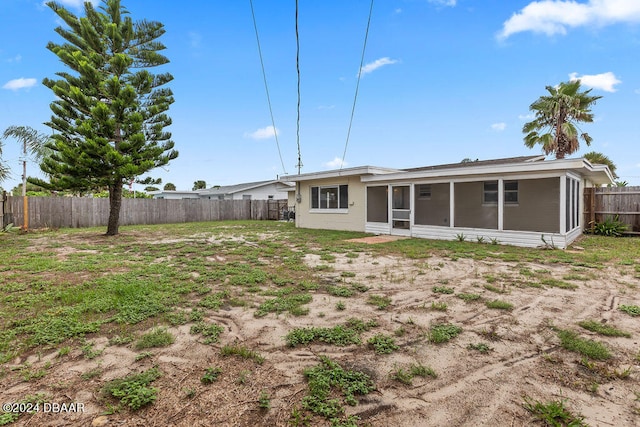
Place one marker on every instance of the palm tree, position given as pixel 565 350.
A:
pixel 556 115
pixel 600 159
pixel 4 169
pixel 33 143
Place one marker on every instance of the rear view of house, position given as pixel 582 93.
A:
pixel 523 201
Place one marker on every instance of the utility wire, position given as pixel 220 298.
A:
pixel 299 165
pixel 355 97
pixel 266 87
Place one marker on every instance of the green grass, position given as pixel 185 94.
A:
pixel 379 301
pixel 499 305
pixel 211 332
pixel 603 329
pixel 158 337
pixel 592 349
pixel 468 297
pixel 243 352
pixel 340 335
pixel 442 290
pixel 291 303
pixel 439 306
pixel 555 283
pixel 553 413
pixel 480 347
pixel 210 375
pixel 406 375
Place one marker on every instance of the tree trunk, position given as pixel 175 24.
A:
pixel 115 202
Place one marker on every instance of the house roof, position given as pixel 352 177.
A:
pixel 231 189
pixel 599 174
pixel 492 162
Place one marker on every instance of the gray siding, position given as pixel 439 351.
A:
pixel 538 207
pixel 433 211
pixel 470 211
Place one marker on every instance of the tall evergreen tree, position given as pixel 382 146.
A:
pixel 556 115
pixel 111 112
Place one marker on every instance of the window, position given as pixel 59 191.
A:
pixel 270 196
pixel 511 192
pixel 334 197
pixel 490 194
pixel 246 197
pixel 424 191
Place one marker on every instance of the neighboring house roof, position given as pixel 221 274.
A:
pixel 492 162
pixel 238 188
pixel 360 170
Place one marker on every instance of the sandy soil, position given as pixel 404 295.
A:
pixel 472 388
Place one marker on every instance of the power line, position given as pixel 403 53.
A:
pixel 299 165
pixel 266 87
pixel 355 97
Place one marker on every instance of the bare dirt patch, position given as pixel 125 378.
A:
pixel 521 353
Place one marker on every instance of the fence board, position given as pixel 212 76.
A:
pixel 608 202
pixel 80 212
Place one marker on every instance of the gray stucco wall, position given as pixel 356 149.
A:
pixel 435 210
pixel 538 207
pixel 470 211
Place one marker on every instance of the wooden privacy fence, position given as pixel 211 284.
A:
pixel 608 202
pixel 78 212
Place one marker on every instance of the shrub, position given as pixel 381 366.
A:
pixel 610 227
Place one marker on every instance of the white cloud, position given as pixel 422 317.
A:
pixel 336 163
pixel 499 127
pixel 195 39
pixel 398 11
pixel 372 66
pixel 262 133
pixel 17 58
pixel 604 81
pixel 443 2
pixel 529 116
pixel 637 91
pixel 555 16
pixel 20 83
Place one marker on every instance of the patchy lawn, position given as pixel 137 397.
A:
pixel 259 323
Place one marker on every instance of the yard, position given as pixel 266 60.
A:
pixel 260 323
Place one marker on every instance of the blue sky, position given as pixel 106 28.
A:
pixel 443 80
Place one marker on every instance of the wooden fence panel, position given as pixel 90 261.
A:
pixel 610 202
pixel 79 212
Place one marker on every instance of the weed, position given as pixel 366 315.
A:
pixel 443 333
pixel 190 392
pixel 63 351
pixel 211 332
pixel 89 352
pixel 347 274
pixel 340 291
pixel 93 373
pixel 442 290
pixel 291 303
pixel 121 339
pixel 602 329
pixel 439 306
pixel 460 237
pixel 553 413
pixel 589 348
pixel 264 401
pixel 379 301
pixel 143 355
pixel 500 305
pixel 493 289
pixel 133 390
pixel 402 376
pixel 328 376
pixel 340 306
pixel 468 297
pixel 480 239
pixel 631 310
pixel 494 241
pixel 242 377
pixel 210 375
pixel 382 344
pixel 215 301
pixel 338 335
pixel 406 376
pixel 242 351
pixel 555 283
pixel 157 337
pixel 480 347
pixel 360 287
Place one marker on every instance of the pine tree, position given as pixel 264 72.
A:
pixel 110 113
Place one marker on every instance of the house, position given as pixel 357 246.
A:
pixel 260 190
pixel 523 201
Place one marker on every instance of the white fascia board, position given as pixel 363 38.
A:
pixel 361 170
pixel 487 170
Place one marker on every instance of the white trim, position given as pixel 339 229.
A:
pixel 360 170
pixel 452 204
pixel 500 203
pixel 329 211
pixel 563 204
